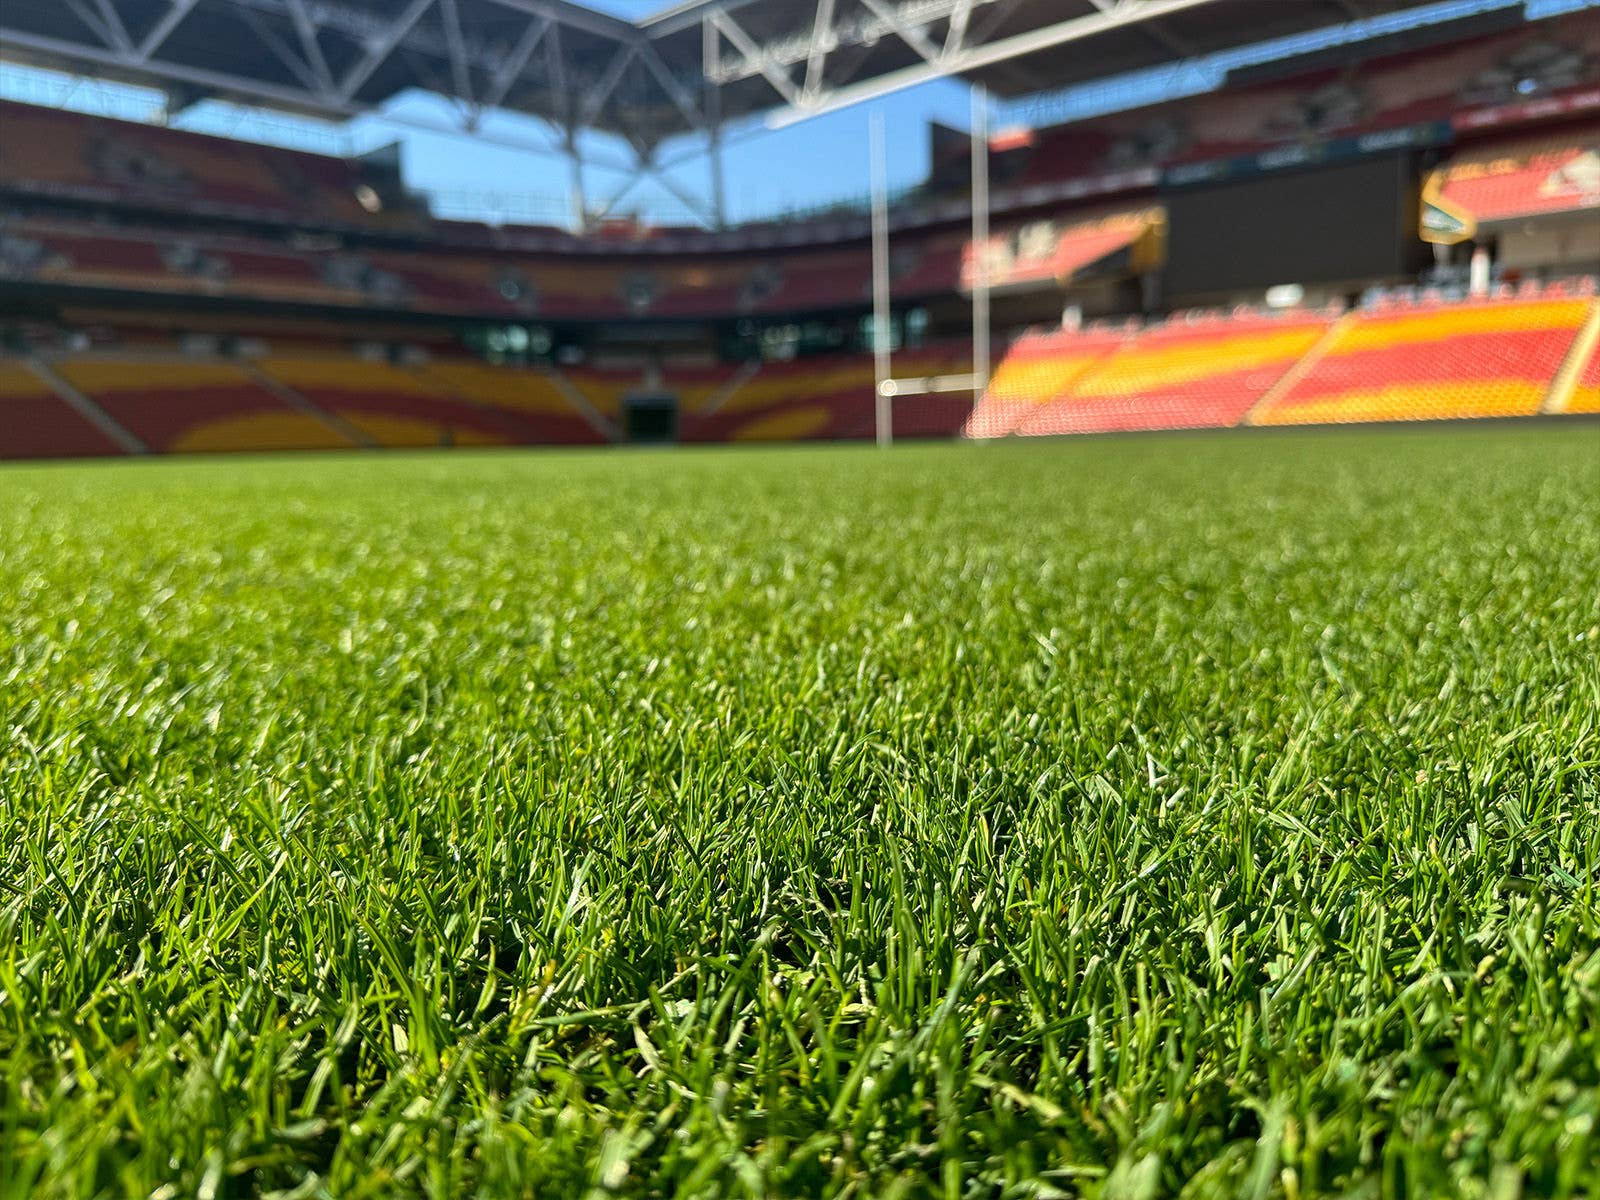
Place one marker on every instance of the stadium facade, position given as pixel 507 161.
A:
pixel 1401 229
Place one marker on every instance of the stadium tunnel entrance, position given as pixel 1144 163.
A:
pixel 650 417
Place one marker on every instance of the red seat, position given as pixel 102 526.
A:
pixel 36 423
pixel 1466 360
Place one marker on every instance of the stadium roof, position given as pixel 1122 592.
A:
pixel 688 69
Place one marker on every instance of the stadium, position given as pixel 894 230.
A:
pixel 1070 675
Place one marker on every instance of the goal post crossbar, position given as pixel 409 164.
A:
pixel 885 386
pixel 929 383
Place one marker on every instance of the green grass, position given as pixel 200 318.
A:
pixel 1202 816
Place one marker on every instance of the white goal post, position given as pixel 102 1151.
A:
pixel 977 381
pixel 928 383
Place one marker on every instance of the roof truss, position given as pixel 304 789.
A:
pixel 947 37
pixel 336 58
pixel 649 79
pixel 680 74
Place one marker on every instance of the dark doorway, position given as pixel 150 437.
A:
pixel 652 417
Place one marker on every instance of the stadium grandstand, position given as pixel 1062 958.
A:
pixel 1039 647
pixel 1402 227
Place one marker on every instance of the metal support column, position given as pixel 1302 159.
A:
pixel 712 106
pixel 579 197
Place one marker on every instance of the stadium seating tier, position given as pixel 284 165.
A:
pixel 1172 377
pixel 1523 175
pixel 830 397
pixel 1554 59
pixel 60 152
pixel 1585 396
pixel 1476 360
pixel 36 423
pixel 530 395
pixel 1430 362
pixel 395 407
pixel 182 407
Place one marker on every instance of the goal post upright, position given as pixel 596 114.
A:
pixel 980 243
pixel 881 392
pixel 886 387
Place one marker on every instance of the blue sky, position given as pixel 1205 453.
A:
pixel 816 162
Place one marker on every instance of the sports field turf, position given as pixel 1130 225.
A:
pixel 1214 816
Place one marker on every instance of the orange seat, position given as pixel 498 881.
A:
pixel 1585 396
pixel 1494 359
pixel 1178 376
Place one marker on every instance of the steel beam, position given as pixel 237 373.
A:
pixel 687 109
pixel 114 24
pixel 909 32
pixel 596 98
pixel 618 196
pixel 1126 12
pixel 306 30
pixel 955 38
pixel 575 16
pixel 162 29
pixel 299 68
pixel 719 188
pixel 693 203
pixel 120 65
pixel 555 67
pixel 808 68
pixel 687 16
pixel 105 21
pixel 580 195
pixel 1154 32
pixel 379 51
pixel 96 23
pixel 460 73
pixel 756 63
pixel 517 61
pixel 909 20
pixel 821 45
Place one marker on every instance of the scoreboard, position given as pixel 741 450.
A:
pixel 1351 221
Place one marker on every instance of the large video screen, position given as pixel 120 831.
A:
pixel 1316 226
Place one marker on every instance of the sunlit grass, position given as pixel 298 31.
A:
pixel 1105 818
